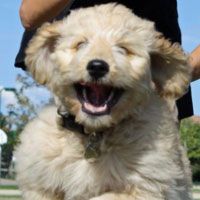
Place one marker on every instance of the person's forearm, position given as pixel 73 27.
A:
pixel 195 63
pixel 35 12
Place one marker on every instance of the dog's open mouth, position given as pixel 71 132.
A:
pixel 97 99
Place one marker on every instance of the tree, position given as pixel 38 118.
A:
pixel 190 134
pixel 18 116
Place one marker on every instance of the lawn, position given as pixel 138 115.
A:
pixel 10 198
pixel 8 187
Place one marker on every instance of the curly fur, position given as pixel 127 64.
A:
pixel 142 157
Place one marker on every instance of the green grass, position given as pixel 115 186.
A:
pixel 8 187
pixel 10 198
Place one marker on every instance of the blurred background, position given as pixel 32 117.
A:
pixel 21 97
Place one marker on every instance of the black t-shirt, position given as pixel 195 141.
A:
pixel 162 12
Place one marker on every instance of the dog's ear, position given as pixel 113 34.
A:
pixel 170 68
pixel 37 59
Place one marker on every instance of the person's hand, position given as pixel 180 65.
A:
pixel 194 60
pixel 35 12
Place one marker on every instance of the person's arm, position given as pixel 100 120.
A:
pixel 35 12
pixel 194 60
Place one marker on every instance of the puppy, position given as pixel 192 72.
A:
pixel 114 137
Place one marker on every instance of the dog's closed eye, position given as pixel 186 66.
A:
pixel 80 43
pixel 122 49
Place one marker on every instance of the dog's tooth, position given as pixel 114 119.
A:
pixel 85 94
pixel 111 95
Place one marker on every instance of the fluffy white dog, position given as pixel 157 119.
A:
pixel 115 81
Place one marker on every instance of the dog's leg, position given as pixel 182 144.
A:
pixel 36 195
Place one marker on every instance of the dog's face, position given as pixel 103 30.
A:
pixel 103 62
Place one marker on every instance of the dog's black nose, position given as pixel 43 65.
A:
pixel 97 68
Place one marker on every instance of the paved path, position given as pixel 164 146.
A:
pixel 10 192
pixel 7 182
pixel 196 195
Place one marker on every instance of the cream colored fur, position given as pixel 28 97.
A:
pixel 141 153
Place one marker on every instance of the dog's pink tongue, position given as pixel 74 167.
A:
pixel 98 94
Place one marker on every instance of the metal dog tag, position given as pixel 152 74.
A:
pixel 92 149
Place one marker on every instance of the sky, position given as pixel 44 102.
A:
pixel 11 32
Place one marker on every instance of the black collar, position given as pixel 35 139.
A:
pixel 68 122
pixel 92 146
